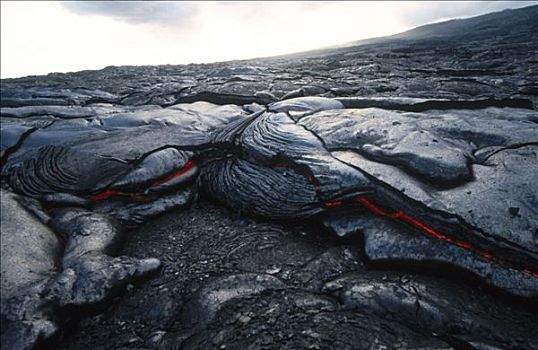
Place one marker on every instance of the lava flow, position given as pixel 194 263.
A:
pixel 174 175
pixel 403 217
pixel 398 215
pixel 108 193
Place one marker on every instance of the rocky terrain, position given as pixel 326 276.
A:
pixel 380 194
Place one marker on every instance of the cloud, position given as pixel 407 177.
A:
pixel 177 14
pixel 136 12
pixel 43 36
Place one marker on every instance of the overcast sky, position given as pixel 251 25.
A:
pixel 43 37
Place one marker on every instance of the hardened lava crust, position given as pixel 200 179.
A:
pixel 381 194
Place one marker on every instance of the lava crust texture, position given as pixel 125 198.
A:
pixel 415 184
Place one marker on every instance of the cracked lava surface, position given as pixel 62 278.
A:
pixel 260 204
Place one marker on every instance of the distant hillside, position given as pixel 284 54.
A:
pixel 515 24
pixel 484 57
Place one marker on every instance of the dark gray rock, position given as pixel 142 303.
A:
pixel 62 169
pixel 133 213
pixel 41 277
pixel 300 320
pixel 301 106
pixel 209 300
pixel 206 244
pixel 432 306
pixel 154 166
pixel 388 244
pixel 419 151
pixel 438 146
pixel 30 253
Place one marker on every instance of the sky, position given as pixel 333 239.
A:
pixel 40 37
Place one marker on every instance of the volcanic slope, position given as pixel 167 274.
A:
pixel 378 194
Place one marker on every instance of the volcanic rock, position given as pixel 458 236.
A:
pixel 376 194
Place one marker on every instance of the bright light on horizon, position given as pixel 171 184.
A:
pixel 43 37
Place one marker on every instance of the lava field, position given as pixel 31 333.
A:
pixel 378 195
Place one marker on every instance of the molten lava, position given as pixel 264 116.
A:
pixel 401 216
pixel 108 193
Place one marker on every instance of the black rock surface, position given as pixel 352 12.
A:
pixel 381 194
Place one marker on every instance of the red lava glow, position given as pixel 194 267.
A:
pixel 48 210
pixel 175 174
pixel 401 216
pixel 398 215
pixel 108 193
pixel 103 195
